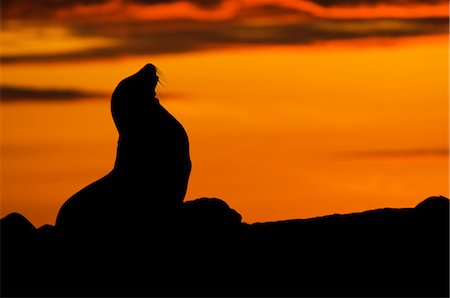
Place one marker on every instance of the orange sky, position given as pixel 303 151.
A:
pixel 349 115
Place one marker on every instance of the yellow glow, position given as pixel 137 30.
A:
pixel 20 39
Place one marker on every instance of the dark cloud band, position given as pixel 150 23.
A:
pixel 14 93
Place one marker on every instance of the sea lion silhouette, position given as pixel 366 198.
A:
pixel 151 170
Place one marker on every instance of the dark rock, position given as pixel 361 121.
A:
pixel 434 204
pixel 211 213
pixel 18 248
pixel 204 249
pixel 16 226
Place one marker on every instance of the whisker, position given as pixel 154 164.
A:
pixel 161 80
pixel 162 77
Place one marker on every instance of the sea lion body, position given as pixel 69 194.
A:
pixel 151 170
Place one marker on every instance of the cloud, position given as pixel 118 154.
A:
pixel 21 7
pixel 113 28
pixel 15 93
pixel 199 3
pixel 43 9
pixel 330 3
pixel 73 10
pixel 164 37
pixel 54 9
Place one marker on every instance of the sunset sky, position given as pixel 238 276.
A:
pixel 293 108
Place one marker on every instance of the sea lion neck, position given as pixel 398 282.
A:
pixel 134 114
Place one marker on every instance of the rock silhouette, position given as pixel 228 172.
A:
pixel 129 234
pixel 383 253
pixel 151 170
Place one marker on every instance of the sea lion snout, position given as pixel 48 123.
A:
pixel 148 74
pixel 148 69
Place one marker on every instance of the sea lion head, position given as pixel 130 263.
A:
pixel 133 99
